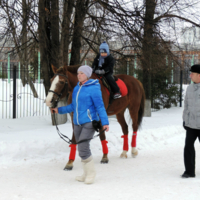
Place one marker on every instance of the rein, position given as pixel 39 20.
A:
pixel 62 136
pixel 66 139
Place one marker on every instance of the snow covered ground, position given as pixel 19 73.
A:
pixel 32 158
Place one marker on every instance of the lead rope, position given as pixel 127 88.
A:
pixel 62 136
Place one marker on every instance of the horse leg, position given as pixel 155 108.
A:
pixel 104 148
pixel 124 126
pixel 72 154
pixel 134 151
pixel 134 117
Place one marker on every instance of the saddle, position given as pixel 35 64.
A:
pixel 120 83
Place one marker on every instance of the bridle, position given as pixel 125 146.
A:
pixel 59 95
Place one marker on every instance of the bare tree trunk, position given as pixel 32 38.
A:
pixel 147 46
pixel 44 43
pixel 80 13
pixel 55 33
pixel 21 44
pixel 65 36
pixel 24 39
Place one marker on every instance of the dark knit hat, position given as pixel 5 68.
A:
pixel 195 68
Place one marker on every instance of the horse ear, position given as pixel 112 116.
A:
pixel 54 69
pixel 65 68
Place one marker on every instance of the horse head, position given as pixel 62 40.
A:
pixel 59 86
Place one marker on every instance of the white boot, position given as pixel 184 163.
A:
pixel 82 178
pixel 90 172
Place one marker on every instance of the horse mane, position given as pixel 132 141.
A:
pixel 59 70
pixel 73 68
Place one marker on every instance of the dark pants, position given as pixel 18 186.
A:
pixel 189 150
pixel 111 81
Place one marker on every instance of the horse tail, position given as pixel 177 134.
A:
pixel 142 105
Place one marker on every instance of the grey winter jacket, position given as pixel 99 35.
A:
pixel 191 112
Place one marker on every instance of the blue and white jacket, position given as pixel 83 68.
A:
pixel 87 104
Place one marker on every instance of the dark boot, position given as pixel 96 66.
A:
pixel 186 175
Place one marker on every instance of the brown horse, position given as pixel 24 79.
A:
pixel 134 101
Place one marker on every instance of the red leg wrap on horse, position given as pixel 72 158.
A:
pixel 104 146
pixel 133 143
pixel 72 154
pixel 125 147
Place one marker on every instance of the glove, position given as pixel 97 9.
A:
pixel 99 71
pixel 96 125
pixel 185 127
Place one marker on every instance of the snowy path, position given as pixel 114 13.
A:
pixel 151 176
pixel 32 158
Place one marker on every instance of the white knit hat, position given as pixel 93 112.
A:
pixel 86 70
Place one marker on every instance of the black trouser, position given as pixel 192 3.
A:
pixel 189 150
pixel 111 81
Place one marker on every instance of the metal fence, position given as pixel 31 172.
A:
pixel 17 97
pixel 22 93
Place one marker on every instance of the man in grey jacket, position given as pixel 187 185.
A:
pixel 191 121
